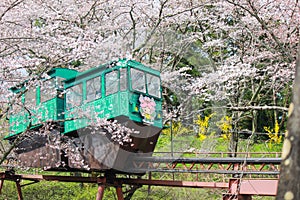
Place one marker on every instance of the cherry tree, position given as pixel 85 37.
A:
pixel 39 35
pixel 243 51
pixel 253 45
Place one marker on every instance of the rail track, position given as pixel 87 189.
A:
pixel 244 176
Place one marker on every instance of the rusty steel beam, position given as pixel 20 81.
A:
pixel 217 154
pixel 265 166
pixel 1 185
pixel 119 193
pixel 20 196
pixel 62 178
pixel 209 171
pixel 100 192
pixel 12 177
pixel 264 187
pixel 120 181
pixel 173 183
pixel 9 176
pixel 207 160
pixel 244 188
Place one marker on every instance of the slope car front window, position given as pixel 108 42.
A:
pixel 111 82
pixel 138 80
pixel 153 85
pixel 93 89
pixel 123 79
pixel 48 90
pixel 30 98
pixel 74 96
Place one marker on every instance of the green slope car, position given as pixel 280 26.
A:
pixel 89 112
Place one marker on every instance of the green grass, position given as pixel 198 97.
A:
pixel 190 143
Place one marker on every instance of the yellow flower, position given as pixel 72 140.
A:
pixel 203 124
pixel 202 137
pixel 273 134
pixel 226 126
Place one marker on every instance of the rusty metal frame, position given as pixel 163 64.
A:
pixel 103 182
pixel 240 188
pixel 244 188
pixel 244 166
pixel 12 177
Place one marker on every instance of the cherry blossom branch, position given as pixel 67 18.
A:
pixel 257 91
pixel 14 4
pixel 253 12
pixel 248 108
pixel 149 36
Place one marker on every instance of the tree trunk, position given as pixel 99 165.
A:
pixel 233 145
pixel 254 125
pixel 289 183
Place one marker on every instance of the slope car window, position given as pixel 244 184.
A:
pixel 48 90
pixel 138 80
pixel 60 84
pixel 111 82
pixel 30 98
pixel 16 109
pixel 123 79
pixel 74 96
pixel 93 89
pixel 153 85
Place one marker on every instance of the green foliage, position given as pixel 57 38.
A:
pixel 215 140
pixel 249 145
pixel 184 62
pixel 163 142
pixel 173 193
pixel 39 23
pixel 222 144
pixel 75 63
pixel 54 191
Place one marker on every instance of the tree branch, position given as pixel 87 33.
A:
pixel 247 108
pixel 253 12
pixel 14 4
